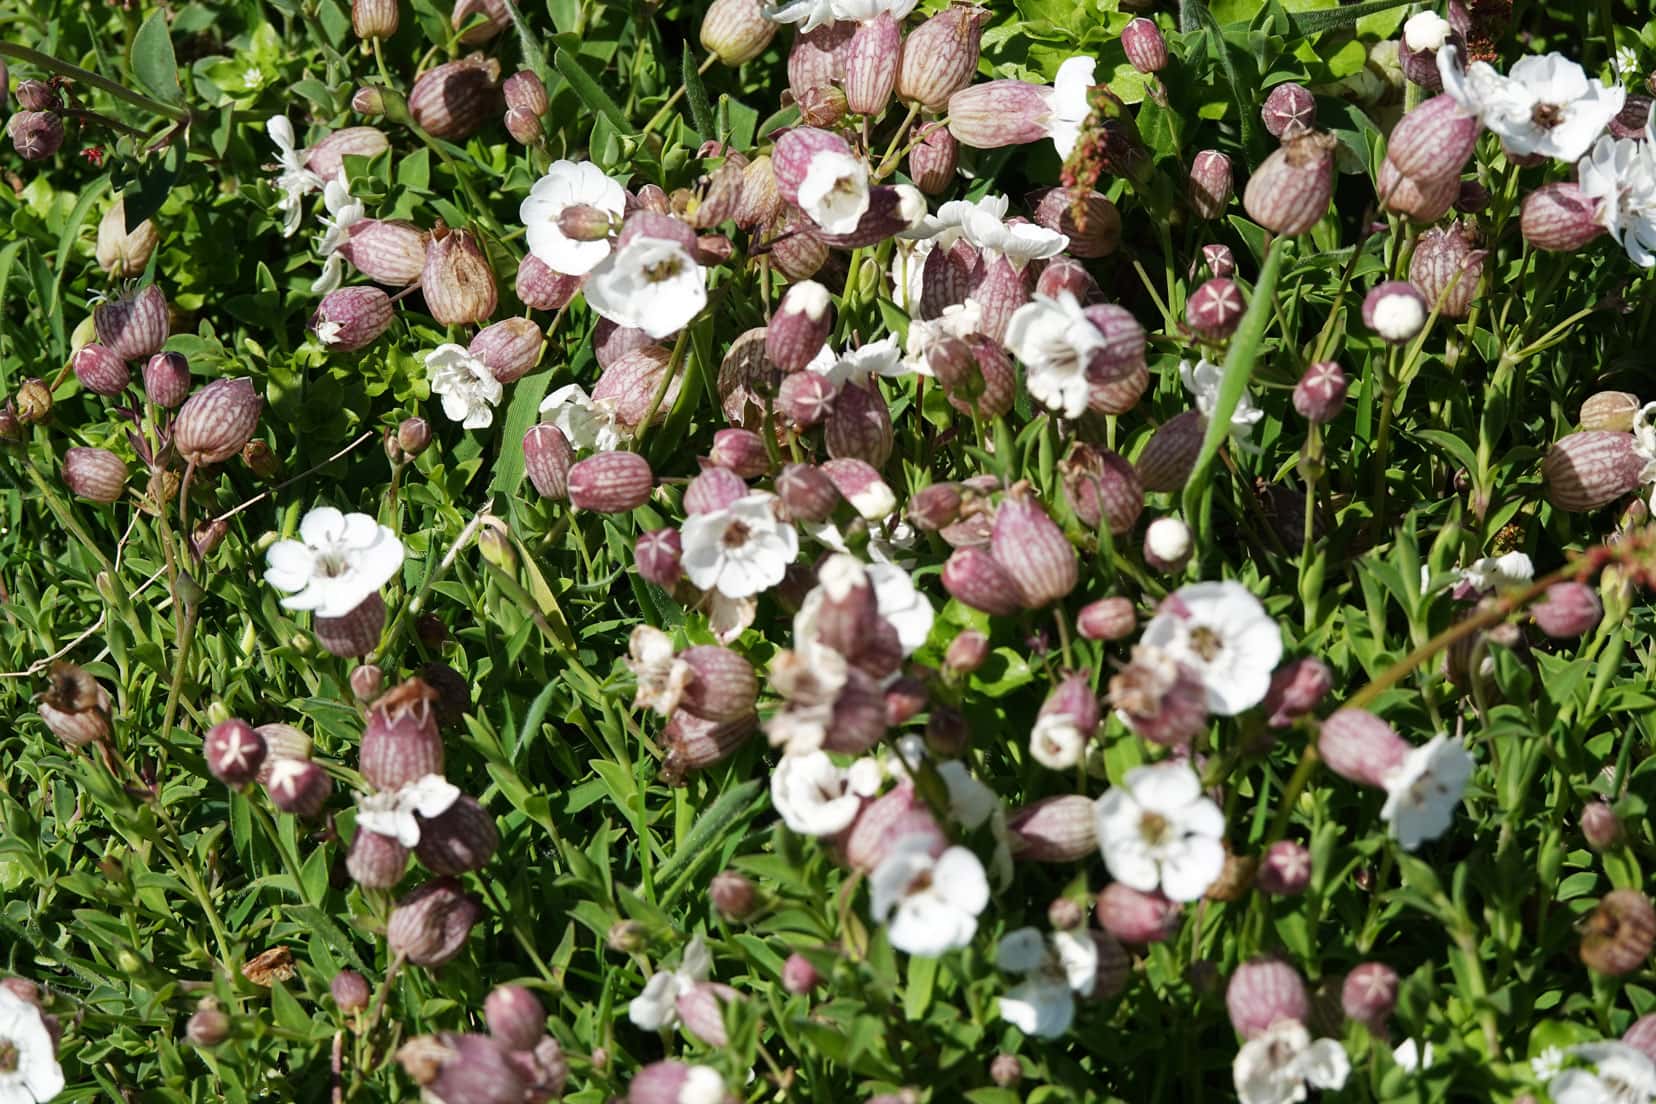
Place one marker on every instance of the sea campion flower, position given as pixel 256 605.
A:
pixel 657 1006
pixel 740 550
pixel 1544 105
pixel 1423 793
pixel 1056 968
pixel 816 797
pixel 32 1072
pixel 1202 380
pixel 999 113
pixel 338 562
pixel 1055 341
pixel 344 212
pixel 1620 1075
pixel 468 389
pixel 1276 1066
pixel 1621 175
pixel 569 184
pixel 397 814
pixel 1158 830
pixel 984 225
pixel 1221 632
pixel 293 179
pixel 650 283
pixel 588 424
pixel 877 358
pixel 931 903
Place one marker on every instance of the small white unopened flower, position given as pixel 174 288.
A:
pixel 1054 339
pixel 585 422
pixel 834 191
pixel 877 358
pixel 338 562
pixel 1423 793
pixel 657 1006
pixel 1544 105
pixel 344 211
pixel 569 184
pixel 1275 1066
pixel 1221 632
pixel 293 179
pixel 1055 969
pixel 1069 103
pixel 468 388
pixel 930 904
pixel 1056 741
pixel 1621 1075
pixel 32 1073
pixel 649 284
pixel 1157 830
pixel 740 550
pixel 814 797
pixel 1202 380
pixel 1426 30
pixel 396 814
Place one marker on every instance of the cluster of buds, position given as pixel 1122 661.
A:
pixel 516 1062
pixel 1026 563
pixel 36 128
pixel 707 692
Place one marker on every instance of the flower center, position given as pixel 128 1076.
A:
pixel 1546 115
pixel 9 1056
pixel 1153 829
pixel 663 270
pixel 736 534
pixel 332 564
pixel 1206 643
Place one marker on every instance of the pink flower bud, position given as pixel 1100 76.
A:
pixel 133 327
pixel 36 135
pixel 806 493
pixel 298 786
pixel 977 578
pixel 714 489
pixel 1361 747
pixel 800 327
pixel 610 482
pixel 1289 193
pixel 1320 394
pixel 999 294
pixel 1000 113
pixel 1285 869
pixel 1297 687
pixel 510 348
pixel 524 91
pixel 208 1026
pixel 740 450
pixel 1210 186
pixel 1433 141
pixel 860 483
pixel 1630 121
pixel 796 249
pixel 400 743
pixel 1159 698
pixel 932 163
pixel 1167 545
pixel 722 685
pixel 736 31
pixel 356 633
pixel 1586 470
pixel 375 861
pixel 859 425
pixel 167 379
pixel 1395 310
pixel 38 95
pixel 1600 826
pixel 1219 260
pixel 390 253
pixel 935 506
pixel 350 991
pixel 733 895
pixel 990 385
pixel 1423 200
pixel 217 421
pixel 1064 275
pixel 1369 994
pixel 351 318
pixel 760 201
pixel 694 743
pixel 1145 47
pixel 1058 829
pixel 234 752
pixel 367 681
pixel 374 18
pixel 940 57
pixel 1263 991
pixel 1617 936
pixel 457 283
pixel 1088 219
pixel 899 815
pixel 1567 610
pixel 671 1082
pixel 1290 111
pixel 1102 488
pixel 542 289
pixel 805 398
pixel 817 57
pixel 1106 619
pixel 657 555
pixel 1124 342
pixel 1214 309
pixel 454 100
pixel 95 474
pixel 798 975
pixel 429 926
pixel 327 157
pixel 858 721
pixel 1033 550
pixel 547 458
pixel 515 1017
pixel 631 383
pixel 524 126
pixel 967 652
pixel 464 1069
pixel 1118 396
pixel 460 839
pixel 701 1011
pixel 871 63
pixel 1560 218
pixel 1134 916
pixel 1165 463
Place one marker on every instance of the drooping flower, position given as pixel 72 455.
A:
pixel 877 358
pixel 32 1073
pixel 344 211
pixel 657 1006
pixel 293 179
pixel 650 284
pixel 835 190
pixel 1423 793
pixel 338 562
pixel 1621 174
pixel 740 550
pixel 1621 1075
pixel 585 422
pixel 468 389
pixel 1276 1066
pixel 1054 339
pixel 931 903
pixel 1545 105
pixel 984 225
pixel 815 797
pixel 808 14
pixel 397 814
pixel 1221 632
pixel 1202 380
pixel 569 184
pixel 662 677
pixel 1055 969
pixel 1158 830
pixel 1489 573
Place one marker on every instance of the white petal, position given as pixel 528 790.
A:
pixel 959 879
pixel 322 526
pixel 1190 867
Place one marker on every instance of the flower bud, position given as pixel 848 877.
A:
pixel 694 743
pixel 1090 221
pixel 1321 393
pixel 1593 468
pixel 1058 829
pixel 967 652
pixel 356 633
pixel 630 384
pixel 38 95
pixel 167 379
pixel 998 113
pixel 657 555
pixel 1106 619
pixel 390 253
pixel 805 398
pixel 429 926
pixel 1033 550
pixel 935 506
pixel 1424 201
pixel 510 348
pixel 871 63
pixel 722 685
pixel 523 91
pixel 350 992
pixel 713 490
pixel 216 421
pixel 1210 185
pixel 400 743
pixel 1136 917
pixel 1102 488
pixel 1297 687
pixel 932 163
pixel 1289 192
pixel 1600 826
pixel 1433 141
pixel 460 839
pixel 1145 47
pixel 1369 994
pixel 1262 992
pixel 1064 275
pixel 375 861
pixel 800 327
pixel 1290 111
pixel 542 289
pixel 1567 610
pixel 1447 269
pixel 1123 351
pixel 798 975
pixel 1170 454
pixel 977 578
pixel 35 135
pixel 374 18
pixel 234 752
pixel 806 493
pixel 34 401
pixel 1361 747
pixel 1612 410
pixel 484 19
pixel 1214 309
pixel 733 895
pixel 515 1017
pixel 740 450
pixel 1630 122
pixel 796 249
pixel 327 158
pixel 457 283
pixel 99 370
pixel 367 681
pixel 899 815
pixel 859 425
pixel 1285 870
pixel 298 786
pixel 672 1082
pixel 133 327
pixel 351 318
pixel 1395 310
pixel 547 458
pixel 207 1027
pixel 940 57
pixel 1167 545
pixel 122 253
pixel 1560 218
pixel 1618 934
pixel 456 99
pixel 736 31
pixel 94 474
pixel 861 486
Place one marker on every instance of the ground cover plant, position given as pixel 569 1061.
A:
pixel 827 550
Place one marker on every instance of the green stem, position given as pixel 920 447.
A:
pixel 66 517
pixel 86 76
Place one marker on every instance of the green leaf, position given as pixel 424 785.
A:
pixel 1310 23
pixel 736 804
pixel 153 63
pixel 156 177
pixel 71 231
pixel 695 94
pixel 520 415
pixel 589 90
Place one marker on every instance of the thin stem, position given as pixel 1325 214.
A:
pixel 887 162
pixel 86 76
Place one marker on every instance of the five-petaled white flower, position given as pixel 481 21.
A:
pixel 740 550
pixel 585 422
pixel 569 184
pixel 293 179
pixel 397 814
pixel 657 1006
pixel 468 388
pixel 1055 969
pixel 1158 830
pixel 1054 339
pixel 930 903
pixel 1548 1064
pixel 1202 380
pixel 1621 1075
pixel 1069 103
pixel 1621 174
pixel 1544 105
pixel 834 191
pixel 344 211
pixel 1275 1066
pixel 815 797
pixel 984 225
pixel 1411 1056
pixel 1424 791
pixel 877 358
pixel 338 562
pixel 31 1072
pixel 1222 633
pixel 959 320
pixel 649 284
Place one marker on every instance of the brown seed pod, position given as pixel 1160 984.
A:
pixel 1617 936
pixel 456 99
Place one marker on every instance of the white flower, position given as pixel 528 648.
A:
pixel 1644 438
pixel 864 10
pixel 1545 105
pixel 930 904
pixel 1413 1057
pixel 343 213
pixel 908 273
pixel 834 192
pixel 1056 968
pixel 1203 381
pixel 814 797
pixel 1157 829
pixel 1621 175
pixel 740 550
pixel 1069 103
pixel 586 423
pixel 960 320
pixel 1548 1064
pixel 396 814
pixel 293 179
pixel 1054 339
pixel 468 388
pixel 984 225
pixel 877 358
pixel 901 603
pixel 657 1006
pixel 1056 741
pixel 662 676
pixel 649 284
pixel 33 1073
pixel 1275 1066
pixel 893 547
pixel 1424 791
pixel 569 184
pixel 1625 63
pixel 1222 633
pixel 1426 30
pixel 1497 573
pixel 809 14
pixel 1622 1075
pixel 338 562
